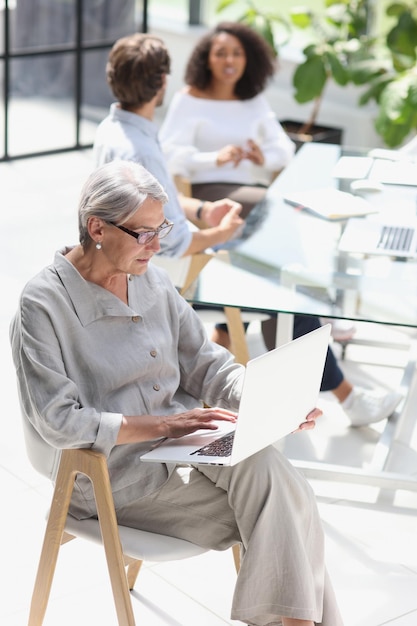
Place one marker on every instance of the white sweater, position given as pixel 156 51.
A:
pixel 195 129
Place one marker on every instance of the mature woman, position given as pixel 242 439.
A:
pixel 110 357
pixel 220 131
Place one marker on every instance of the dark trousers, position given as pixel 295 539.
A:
pixel 332 375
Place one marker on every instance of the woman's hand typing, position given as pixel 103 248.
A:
pixel 138 428
pixel 190 421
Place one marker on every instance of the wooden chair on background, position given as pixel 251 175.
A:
pixel 184 188
pixel 124 547
pixel 185 271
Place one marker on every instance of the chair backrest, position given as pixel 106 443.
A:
pixel 184 271
pixel 177 268
pixel 183 185
pixel 43 457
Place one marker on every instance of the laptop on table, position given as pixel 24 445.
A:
pixel 280 388
pixel 376 237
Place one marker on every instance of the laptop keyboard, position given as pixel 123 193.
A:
pixel 396 238
pixel 218 447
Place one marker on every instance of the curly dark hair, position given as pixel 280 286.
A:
pixel 136 68
pixel 260 60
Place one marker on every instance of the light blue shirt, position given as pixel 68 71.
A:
pixel 131 137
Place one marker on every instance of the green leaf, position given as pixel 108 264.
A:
pixel 301 17
pixel 366 70
pixel 396 8
pixel 402 39
pixel 412 92
pixel 376 89
pixel 330 3
pixel 392 134
pixel 312 50
pixel 309 79
pixel 397 115
pixel 393 102
pixel 338 71
pixel 223 4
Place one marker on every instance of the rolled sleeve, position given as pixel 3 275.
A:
pixel 108 432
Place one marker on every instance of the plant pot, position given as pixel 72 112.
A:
pixel 321 134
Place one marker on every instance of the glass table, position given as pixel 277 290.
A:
pixel 287 261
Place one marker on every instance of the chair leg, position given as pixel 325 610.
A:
pixel 198 262
pixel 93 465
pixel 66 537
pixel 237 334
pixel 133 568
pixel 52 541
pixel 236 556
pixel 96 469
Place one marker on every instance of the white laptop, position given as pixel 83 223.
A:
pixel 280 388
pixel 377 237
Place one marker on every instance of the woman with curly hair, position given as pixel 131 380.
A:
pixel 220 131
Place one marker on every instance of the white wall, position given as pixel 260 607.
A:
pixel 339 107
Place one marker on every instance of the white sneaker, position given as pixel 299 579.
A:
pixel 365 407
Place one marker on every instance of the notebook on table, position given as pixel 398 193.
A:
pixel 330 203
pixel 375 237
pixel 280 388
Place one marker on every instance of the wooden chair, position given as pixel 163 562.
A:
pixel 124 547
pixel 184 188
pixel 184 272
pixel 183 185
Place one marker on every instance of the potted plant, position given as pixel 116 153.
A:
pixel 337 44
pixel 394 85
pixel 338 48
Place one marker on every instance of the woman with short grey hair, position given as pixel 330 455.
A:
pixel 115 193
pixel 110 357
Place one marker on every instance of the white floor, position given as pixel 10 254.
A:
pixel 371 535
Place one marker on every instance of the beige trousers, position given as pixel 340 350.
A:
pixel 268 506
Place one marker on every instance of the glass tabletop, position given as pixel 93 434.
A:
pixel 287 259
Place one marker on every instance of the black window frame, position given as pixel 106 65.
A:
pixel 7 55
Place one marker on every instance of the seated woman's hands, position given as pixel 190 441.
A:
pixel 229 154
pixel 253 153
pixel 190 421
pixel 310 420
pixel 235 154
pixel 138 428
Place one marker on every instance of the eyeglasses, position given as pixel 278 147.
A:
pixel 146 237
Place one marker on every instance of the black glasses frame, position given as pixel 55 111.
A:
pixel 146 236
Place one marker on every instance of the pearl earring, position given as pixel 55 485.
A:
pixel 98 245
